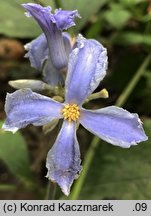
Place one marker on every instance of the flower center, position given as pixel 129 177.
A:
pixel 71 112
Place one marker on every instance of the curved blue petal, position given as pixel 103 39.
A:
pixel 38 54
pixel 45 19
pixel 25 107
pixel 41 14
pixel 37 51
pixel 51 75
pixel 64 19
pixel 87 67
pixel 63 160
pixel 67 43
pixel 114 125
pixel 52 25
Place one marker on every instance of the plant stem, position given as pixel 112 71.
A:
pixel 95 141
pixel 88 159
pixel 128 90
pixel 51 191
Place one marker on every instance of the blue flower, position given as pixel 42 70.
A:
pixel 53 46
pixel 87 67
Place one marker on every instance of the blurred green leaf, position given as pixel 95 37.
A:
pixel 46 3
pixel 86 8
pixel 13 152
pixel 128 38
pixel 13 21
pixel 131 2
pixel 9 187
pixel 148 27
pixel 117 16
pixel 95 30
pixel 118 173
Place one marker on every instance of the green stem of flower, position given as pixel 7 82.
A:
pixel 86 164
pixel 51 191
pixel 128 90
pixel 95 141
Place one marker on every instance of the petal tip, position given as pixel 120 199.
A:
pixel 64 19
pixel 5 127
pixel 64 178
pixel 33 8
pixel 62 181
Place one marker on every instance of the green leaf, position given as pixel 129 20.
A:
pixel 117 16
pixel 13 152
pixel 47 3
pixel 9 187
pixel 13 21
pixel 148 26
pixel 128 38
pixel 86 8
pixel 131 2
pixel 94 30
pixel 118 173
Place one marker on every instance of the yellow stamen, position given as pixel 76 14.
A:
pixel 71 112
